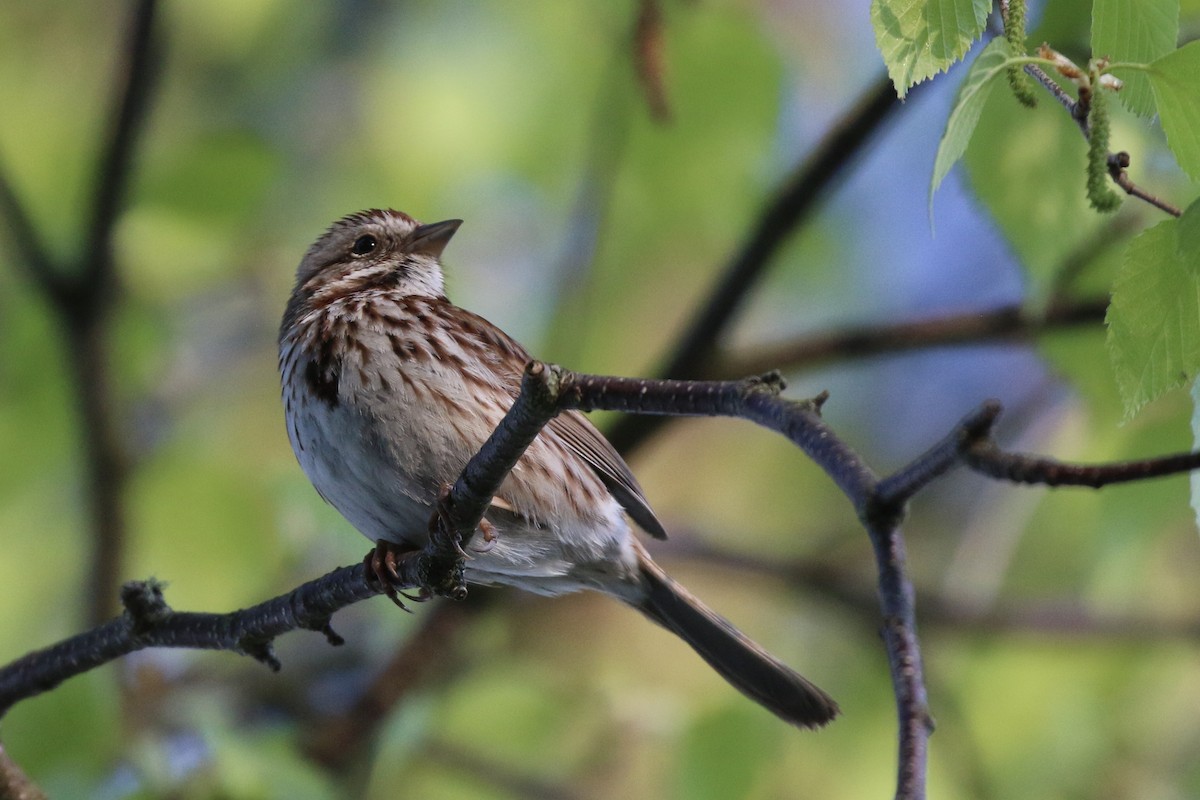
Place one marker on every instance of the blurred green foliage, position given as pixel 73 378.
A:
pixel 591 231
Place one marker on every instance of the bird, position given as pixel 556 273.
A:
pixel 389 389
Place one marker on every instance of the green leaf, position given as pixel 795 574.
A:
pixel 1139 31
pixel 1027 167
pixel 920 38
pixel 968 105
pixel 1189 232
pixel 1154 318
pixel 1176 81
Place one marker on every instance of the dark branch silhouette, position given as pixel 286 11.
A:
pixel 430 654
pixel 841 584
pixel 82 295
pixel 495 772
pixel 970 328
pixel 785 213
pixel 86 319
pixel 32 255
pixel 984 455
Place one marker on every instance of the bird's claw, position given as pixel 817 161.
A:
pixel 382 567
pixel 489 535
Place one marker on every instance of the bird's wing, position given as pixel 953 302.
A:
pixel 571 427
pixel 582 438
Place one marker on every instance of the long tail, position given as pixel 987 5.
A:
pixel 747 667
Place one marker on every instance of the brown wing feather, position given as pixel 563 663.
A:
pixel 571 427
pixel 582 438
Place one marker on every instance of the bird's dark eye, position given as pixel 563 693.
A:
pixel 364 245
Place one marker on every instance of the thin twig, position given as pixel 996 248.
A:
pixel 901 486
pixel 1006 323
pixel 32 255
pixel 495 773
pixel 985 456
pixel 1118 163
pixel 428 655
pixel 1078 111
pixel 648 58
pixel 939 611
pixel 14 783
pixel 114 168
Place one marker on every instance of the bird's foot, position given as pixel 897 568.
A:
pixel 382 566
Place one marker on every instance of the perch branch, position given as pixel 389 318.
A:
pixel 545 391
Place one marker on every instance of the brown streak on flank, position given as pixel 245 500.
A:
pixel 364 352
pixel 323 366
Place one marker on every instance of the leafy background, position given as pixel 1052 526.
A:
pixel 1059 626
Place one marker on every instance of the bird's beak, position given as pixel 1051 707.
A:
pixel 431 239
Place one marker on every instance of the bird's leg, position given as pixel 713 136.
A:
pixel 444 556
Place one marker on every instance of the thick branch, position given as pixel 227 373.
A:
pixel 904 660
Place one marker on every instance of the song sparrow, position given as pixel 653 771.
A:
pixel 389 389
